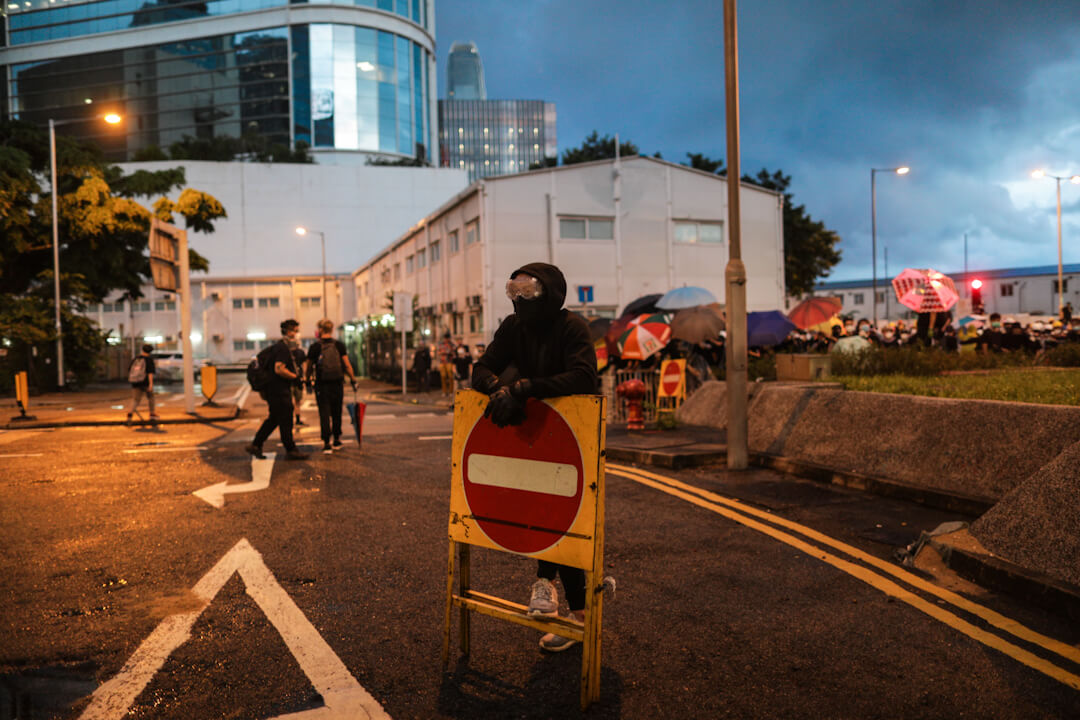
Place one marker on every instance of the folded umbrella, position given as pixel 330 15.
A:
pixel 766 329
pixel 814 310
pixel 356 410
pixel 685 297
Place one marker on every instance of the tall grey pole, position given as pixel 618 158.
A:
pixel 322 240
pixel 735 273
pixel 873 243
pixel 56 257
pixel 886 287
pixel 185 322
pixel 1061 288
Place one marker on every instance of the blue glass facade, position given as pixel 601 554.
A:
pixel 42 20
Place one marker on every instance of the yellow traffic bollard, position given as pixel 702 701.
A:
pixel 22 397
pixel 208 380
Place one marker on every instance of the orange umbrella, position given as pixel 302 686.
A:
pixel 647 334
pixel 601 354
pixel 814 310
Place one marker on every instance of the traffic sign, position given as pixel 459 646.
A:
pixel 673 379
pixel 529 489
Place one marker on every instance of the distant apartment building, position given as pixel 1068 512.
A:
pixel 465 73
pixel 1020 291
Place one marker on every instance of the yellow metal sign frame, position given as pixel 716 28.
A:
pixel 208 380
pixel 582 546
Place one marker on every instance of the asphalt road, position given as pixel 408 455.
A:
pixel 104 550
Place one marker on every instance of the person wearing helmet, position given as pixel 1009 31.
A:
pixel 540 351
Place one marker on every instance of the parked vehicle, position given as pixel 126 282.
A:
pixel 170 367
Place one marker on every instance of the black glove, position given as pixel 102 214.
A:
pixel 505 409
pixel 487 385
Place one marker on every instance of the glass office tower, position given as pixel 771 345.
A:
pixel 496 137
pixel 348 78
pixel 465 73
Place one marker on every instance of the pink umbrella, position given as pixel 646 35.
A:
pixel 925 290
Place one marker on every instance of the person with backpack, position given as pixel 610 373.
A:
pixel 298 385
pixel 327 366
pixel 141 377
pixel 272 373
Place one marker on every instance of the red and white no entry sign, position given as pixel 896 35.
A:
pixel 524 484
pixel 671 378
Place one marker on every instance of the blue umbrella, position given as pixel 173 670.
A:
pixel 766 329
pixel 685 297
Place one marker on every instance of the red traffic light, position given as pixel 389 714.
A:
pixel 976 283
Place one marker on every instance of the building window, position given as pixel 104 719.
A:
pixel 164 305
pixel 113 307
pixel 699 232
pixel 436 252
pixel 471 234
pixel 858 298
pixel 476 323
pixel 421 258
pixel 586 228
pixel 143 306
pixel 1006 289
pixel 455 244
pixel 269 302
pixel 880 297
pixel 243 303
pixel 410 264
pixel 397 271
pixel 1065 285
pixel 243 345
pixel 310 302
pixel 459 323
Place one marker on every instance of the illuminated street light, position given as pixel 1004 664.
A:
pixel 302 231
pixel 112 119
pixel 1075 180
pixel 902 170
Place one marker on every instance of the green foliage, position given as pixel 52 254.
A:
pixel 400 162
pixel 545 163
pixel 597 148
pixel 698 161
pixel 251 147
pixel 1064 355
pixel 809 247
pixel 1034 385
pixel 150 153
pixel 915 361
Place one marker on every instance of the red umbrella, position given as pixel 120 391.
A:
pixel 814 310
pixel 647 335
pixel 925 290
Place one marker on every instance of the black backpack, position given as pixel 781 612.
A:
pixel 260 370
pixel 330 368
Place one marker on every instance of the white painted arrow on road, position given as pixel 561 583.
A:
pixel 260 480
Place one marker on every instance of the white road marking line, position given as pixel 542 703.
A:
pixel 435 437
pixel 18 455
pixel 517 474
pixel 260 480
pixel 417 415
pixel 165 449
pixel 342 695
pixel 241 395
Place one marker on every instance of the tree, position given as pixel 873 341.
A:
pixel 103 239
pixel 597 148
pixel 809 247
pixel 699 161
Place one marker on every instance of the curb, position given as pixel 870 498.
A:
pixel 45 424
pixel 993 572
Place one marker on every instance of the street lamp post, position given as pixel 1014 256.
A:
pixel 902 170
pixel 1075 180
pixel 112 119
pixel 301 230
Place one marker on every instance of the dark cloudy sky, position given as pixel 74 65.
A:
pixel 973 95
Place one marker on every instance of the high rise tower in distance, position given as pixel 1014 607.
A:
pixel 465 73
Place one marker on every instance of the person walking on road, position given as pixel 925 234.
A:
pixel 463 361
pixel 281 374
pixel 421 367
pixel 327 366
pixel 298 386
pixel 540 351
pixel 446 364
pixel 141 376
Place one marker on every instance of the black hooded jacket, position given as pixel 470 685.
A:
pixel 553 350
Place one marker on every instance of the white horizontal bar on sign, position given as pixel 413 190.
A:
pixel 517 474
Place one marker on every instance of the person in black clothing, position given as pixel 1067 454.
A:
pixel 141 376
pixel 540 351
pixel 463 361
pixel 327 367
pixel 298 385
pixel 421 367
pixel 278 396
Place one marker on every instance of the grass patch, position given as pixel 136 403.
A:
pixel 1047 387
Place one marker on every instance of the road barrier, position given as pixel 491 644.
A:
pixel 209 384
pixel 536 489
pixel 22 397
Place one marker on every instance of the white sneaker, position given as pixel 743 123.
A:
pixel 545 599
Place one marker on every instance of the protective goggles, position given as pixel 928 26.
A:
pixel 524 287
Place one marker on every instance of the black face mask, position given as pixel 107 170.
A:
pixel 529 310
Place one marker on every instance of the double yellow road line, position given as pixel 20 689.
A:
pixel 875 575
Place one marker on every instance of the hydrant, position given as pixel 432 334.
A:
pixel 633 391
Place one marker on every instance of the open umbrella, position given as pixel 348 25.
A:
pixel 814 310
pixel 697 324
pixel 765 329
pixel 601 354
pixel 598 327
pixel 925 290
pixel 646 335
pixel 685 297
pixel 644 304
